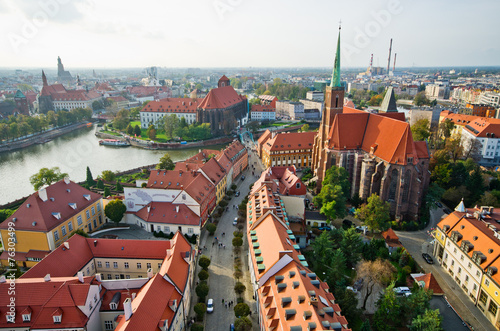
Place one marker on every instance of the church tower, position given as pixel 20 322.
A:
pixel 334 104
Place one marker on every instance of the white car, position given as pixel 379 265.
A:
pixel 403 290
pixel 210 306
pixel 235 221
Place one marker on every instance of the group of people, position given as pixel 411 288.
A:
pixel 227 303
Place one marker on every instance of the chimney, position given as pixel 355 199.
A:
pixel 95 243
pixel 42 194
pixel 127 307
pixel 134 295
pixel 149 208
pixel 98 277
pixel 150 273
pixel 66 180
pixel 177 208
pixel 80 276
pixel 47 278
pixel 66 244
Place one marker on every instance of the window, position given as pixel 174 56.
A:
pixel 92 265
pixel 486 282
pixel 93 211
pixel 107 264
pixel 117 276
pixel 459 270
pixel 98 207
pixel 63 230
pixel 70 226
pixel 454 250
pixel 452 262
pixel 87 213
pixel 26 317
pixel 100 219
pixel 57 319
pixel 462 257
pixel 478 274
pixel 108 325
pixel 466 278
pixel 56 235
pixel 493 308
pixel 127 276
pixel 139 266
pixel 190 230
pixel 148 265
pixel 99 264
pixel 159 265
pixel 474 287
pixel 115 265
pixel 88 271
pixel 469 265
pixel 166 229
pixel 126 265
pixel 79 220
pixel 298 185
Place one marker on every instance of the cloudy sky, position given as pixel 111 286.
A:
pixel 243 33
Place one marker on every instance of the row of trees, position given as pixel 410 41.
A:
pixel 175 127
pixel 282 90
pixel 21 125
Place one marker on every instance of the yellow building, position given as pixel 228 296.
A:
pixel 287 149
pixel 489 299
pixel 46 219
pixel 216 174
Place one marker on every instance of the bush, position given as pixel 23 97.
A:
pixel 197 327
pixel 202 290
pixel 238 234
pixel 239 288
pixel 223 203
pixel 200 309
pixel 211 228
pixel 233 187
pixel 204 262
pixel 243 324
pixel 203 274
pixel 241 309
pixel 237 241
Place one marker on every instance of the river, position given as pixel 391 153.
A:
pixel 72 153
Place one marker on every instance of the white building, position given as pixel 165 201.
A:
pixel 490 98
pixel 262 113
pixel 315 95
pixel 154 111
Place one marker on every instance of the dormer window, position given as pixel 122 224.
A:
pixel 57 215
pixel 26 317
pixel 87 196
pixel 72 205
pixel 57 318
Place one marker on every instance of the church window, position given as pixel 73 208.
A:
pixel 406 187
pixel 394 184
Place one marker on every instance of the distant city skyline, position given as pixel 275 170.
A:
pixel 238 33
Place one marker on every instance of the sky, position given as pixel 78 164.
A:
pixel 247 33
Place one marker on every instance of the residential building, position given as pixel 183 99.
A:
pixel 289 295
pixel 154 111
pixel 467 246
pixel 293 110
pixel 121 102
pixel 223 108
pixel 286 180
pixel 261 141
pixel 312 104
pixel 377 150
pixel 268 100
pixel 262 113
pixel 47 218
pixel 288 149
pixel 238 155
pixel 391 240
pixel 490 98
pixel 482 110
pixel 437 91
pixel 315 95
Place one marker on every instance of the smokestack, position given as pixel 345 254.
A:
pixel 389 59
pixel 127 307
pixel 371 62
pixel 394 65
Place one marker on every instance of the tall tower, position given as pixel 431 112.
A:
pixel 334 104
pixel 44 79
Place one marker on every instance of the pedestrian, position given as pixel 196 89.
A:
pixel 224 246
pixel 213 243
pixel 225 305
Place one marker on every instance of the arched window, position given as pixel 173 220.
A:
pixel 406 187
pixel 337 101
pixel 394 184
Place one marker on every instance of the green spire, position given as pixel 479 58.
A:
pixel 335 82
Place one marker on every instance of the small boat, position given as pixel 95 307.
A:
pixel 114 142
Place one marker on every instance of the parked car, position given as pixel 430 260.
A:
pixel 358 284
pixel 237 194
pixel 403 290
pixel 323 228
pixel 352 289
pixel 243 177
pixel 428 258
pixel 361 229
pixel 439 204
pixel 210 305
pixel 235 221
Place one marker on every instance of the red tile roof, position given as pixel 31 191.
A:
pixel 213 170
pixel 291 141
pixel 430 283
pixel 263 108
pixel 176 265
pixel 220 98
pixel 37 215
pixel 173 105
pixel 264 137
pixel 202 155
pixel 168 213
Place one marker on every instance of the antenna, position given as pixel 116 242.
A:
pixel 394 65
pixel 371 61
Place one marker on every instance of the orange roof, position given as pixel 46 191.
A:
pixel 38 215
pixel 173 105
pixel 263 138
pixel 390 235
pixel 202 156
pixel 213 170
pixel 234 151
pixel 291 141
pixel 176 264
pixel 483 128
pixel 168 213
pixel 430 283
pixel 463 120
pixel 220 98
pixel 263 108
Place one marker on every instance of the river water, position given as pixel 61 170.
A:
pixel 72 153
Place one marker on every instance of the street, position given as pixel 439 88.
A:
pixel 414 243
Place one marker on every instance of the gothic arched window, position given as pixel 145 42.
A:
pixel 406 187
pixel 394 184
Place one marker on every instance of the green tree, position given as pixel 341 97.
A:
pixel 429 321
pixel 108 176
pixel 200 309
pixel 388 312
pixel 243 324
pixel 119 187
pixel 80 232
pixel 202 290
pixel 106 192
pixel 115 210
pixel 365 326
pixel 239 288
pixel 171 124
pixel 197 327
pixel 351 245
pixel 137 130
pixel 5 213
pixel 441 174
pixel 241 309
pixel 122 119
pixel 334 192
pixel 203 274
pixel 421 129
pixel 445 128
pixel 304 128
pixel 151 132
pixel 129 129
pixel 211 227
pixel 46 176
pixel 420 99
pixel 100 184
pixel 237 241
pixel 166 163
pixel 204 262
pixel 90 180
pixel 337 270
pixel 375 213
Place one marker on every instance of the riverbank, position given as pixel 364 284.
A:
pixel 40 138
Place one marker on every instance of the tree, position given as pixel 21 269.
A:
pixel 203 274
pixel 374 273
pixel 108 176
pixel 375 214
pixel 80 232
pixel 166 163
pixel 388 310
pixel 243 324
pixel 129 129
pixel 100 184
pixel 239 288
pixel 351 245
pixel 420 99
pixel 197 327
pixel 90 180
pixel 200 309
pixel 171 124
pixel 119 187
pixel 337 269
pixel 5 213
pixel 241 309
pixel 429 321
pixel 253 126
pixel 122 118
pixel 445 128
pixel 115 210
pixel 304 128
pixel 151 132
pixel 204 262
pixel 334 192
pixel 211 228
pixel 202 290
pixel 46 176
pixel 421 130
pixel 137 130
pixel 106 192
pixel 237 241
pixel 348 300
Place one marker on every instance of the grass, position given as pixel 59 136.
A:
pixel 112 133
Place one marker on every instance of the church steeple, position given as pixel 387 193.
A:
pixel 335 82
pixel 44 79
